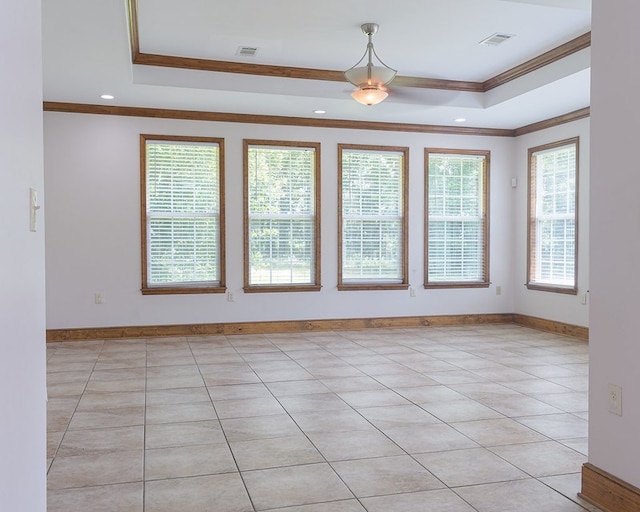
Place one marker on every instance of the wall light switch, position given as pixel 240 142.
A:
pixel 33 209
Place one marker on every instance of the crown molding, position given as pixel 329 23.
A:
pixel 83 108
pixel 149 59
pixel 225 117
pixel 554 121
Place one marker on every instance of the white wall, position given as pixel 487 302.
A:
pixel 93 228
pixel 549 305
pixel 615 238
pixel 22 317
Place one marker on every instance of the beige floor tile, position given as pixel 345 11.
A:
pixel 569 486
pixel 469 467
pixel 385 475
pixel 97 469
pixel 95 401
pixel 166 435
pixel 97 441
pixel 112 386
pixel 219 493
pixel 297 387
pixel 581 445
pixel 177 396
pixel 114 417
pixel 557 426
pixel 334 506
pixel 433 437
pixel 315 402
pixel 332 370
pixel 516 496
pixel 247 407
pixel 231 377
pixel 297 485
pixel 239 392
pixel 460 410
pixel 185 461
pixel 430 394
pixel 53 442
pixel 104 498
pixel 397 416
pixel 359 444
pixel 274 452
pixel 59 412
pixel 373 398
pixel 535 387
pixel 330 421
pixel 440 500
pixel 259 427
pixel 405 380
pixel 497 432
pixel 178 413
pixel 519 405
pixel 542 459
pixel 576 401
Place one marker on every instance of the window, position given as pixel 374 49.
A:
pixel 282 216
pixel 182 214
pixel 552 240
pixel 372 200
pixel 457 225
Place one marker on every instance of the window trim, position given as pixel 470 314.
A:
pixel 486 282
pixel 268 288
pixel 377 285
pixel 195 288
pixel 531 219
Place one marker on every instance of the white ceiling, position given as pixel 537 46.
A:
pixel 86 51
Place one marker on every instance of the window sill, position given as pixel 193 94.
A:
pixel 181 290
pixel 268 288
pixel 567 290
pixel 457 284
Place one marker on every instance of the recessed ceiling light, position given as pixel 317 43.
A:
pixel 460 119
pixel 319 111
pixel 107 96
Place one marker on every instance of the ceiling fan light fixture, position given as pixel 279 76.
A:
pixel 370 79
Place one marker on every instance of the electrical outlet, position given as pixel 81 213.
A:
pixel 615 399
pixel 412 291
pixel 98 298
pixel 498 290
pixel 230 297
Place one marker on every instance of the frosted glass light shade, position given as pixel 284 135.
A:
pixel 369 95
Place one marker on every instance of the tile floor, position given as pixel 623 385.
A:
pixel 480 418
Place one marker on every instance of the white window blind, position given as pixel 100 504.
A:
pixel 182 213
pixel 553 252
pixel 456 219
pixel 281 213
pixel 372 216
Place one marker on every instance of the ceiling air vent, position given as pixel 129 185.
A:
pixel 247 51
pixel 496 39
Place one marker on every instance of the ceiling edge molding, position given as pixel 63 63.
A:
pixel 554 121
pixel 554 55
pixel 149 59
pixel 84 108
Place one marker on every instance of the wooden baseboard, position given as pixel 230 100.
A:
pixel 274 327
pixel 290 326
pixel 608 492
pixel 542 324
